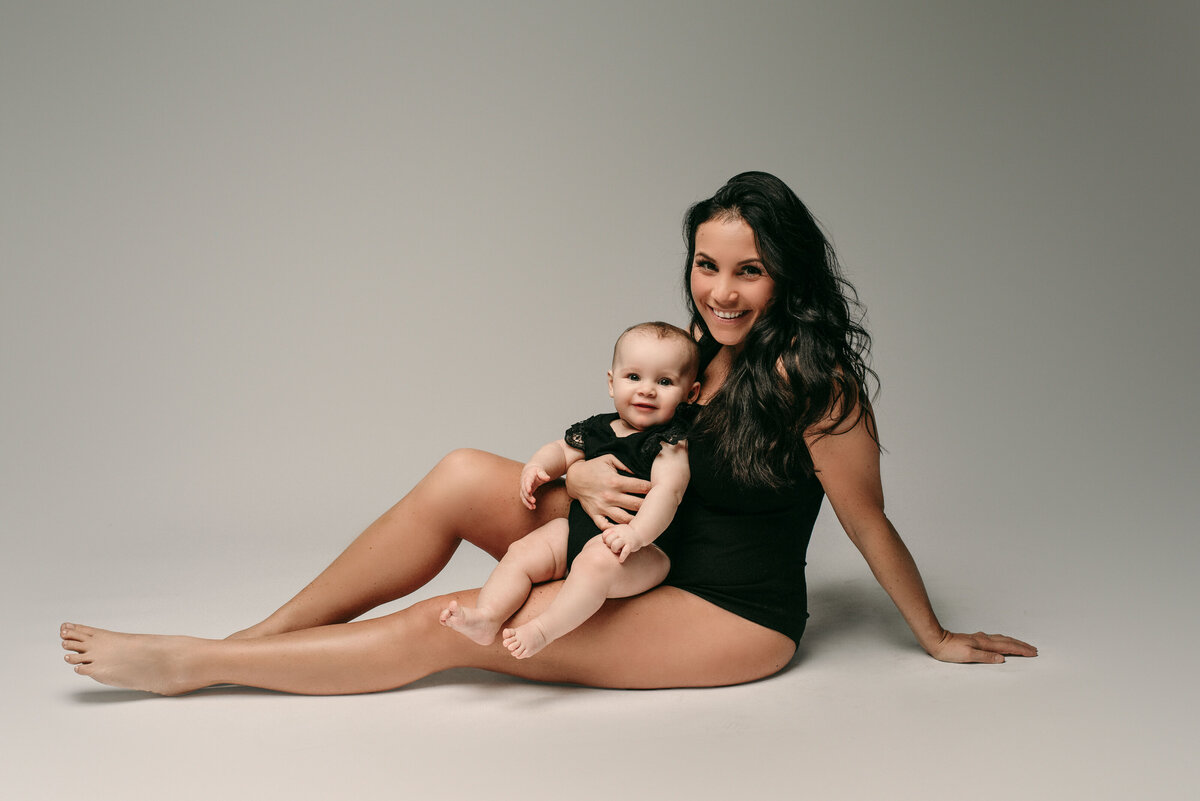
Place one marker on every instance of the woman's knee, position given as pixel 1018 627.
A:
pixel 460 466
pixel 464 484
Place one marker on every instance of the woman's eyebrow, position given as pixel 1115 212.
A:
pixel 700 254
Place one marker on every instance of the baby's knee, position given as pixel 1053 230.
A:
pixel 597 559
pixel 524 551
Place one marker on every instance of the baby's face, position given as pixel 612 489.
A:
pixel 647 381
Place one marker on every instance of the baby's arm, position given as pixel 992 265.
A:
pixel 550 462
pixel 669 476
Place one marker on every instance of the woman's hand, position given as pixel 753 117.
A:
pixel 608 496
pixel 978 647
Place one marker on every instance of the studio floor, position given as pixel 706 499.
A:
pixel 860 713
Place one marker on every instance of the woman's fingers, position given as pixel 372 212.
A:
pixel 1003 644
pixel 981 647
pixel 624 483
pixel 630 502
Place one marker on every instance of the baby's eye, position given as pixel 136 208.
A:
pixel 665 382
pixel 634 377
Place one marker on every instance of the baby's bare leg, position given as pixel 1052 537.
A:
pixel 595 576
pixel 538 556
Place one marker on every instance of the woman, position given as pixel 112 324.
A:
pixel 785 419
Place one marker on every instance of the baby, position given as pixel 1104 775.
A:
pixel 653 371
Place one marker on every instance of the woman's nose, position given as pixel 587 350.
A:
pixel 726 290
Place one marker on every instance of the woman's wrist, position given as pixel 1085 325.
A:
pixel 931 639
pixel 575 479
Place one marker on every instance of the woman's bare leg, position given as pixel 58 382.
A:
pixel 663 638
pixel 537 557
pixel 470 495
pixel 596 575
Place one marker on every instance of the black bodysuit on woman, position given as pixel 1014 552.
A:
pixel 743 548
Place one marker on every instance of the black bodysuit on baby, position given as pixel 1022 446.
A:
pixel 595 437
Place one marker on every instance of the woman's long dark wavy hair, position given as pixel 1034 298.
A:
pixel 804 366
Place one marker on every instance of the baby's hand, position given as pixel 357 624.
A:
pixel 622 540
pixel 532 477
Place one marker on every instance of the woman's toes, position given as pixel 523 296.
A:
pixel 75 632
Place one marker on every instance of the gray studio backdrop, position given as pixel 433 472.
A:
pixel 262 264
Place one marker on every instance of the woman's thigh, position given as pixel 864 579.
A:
pixel 477 493
pixel 666 637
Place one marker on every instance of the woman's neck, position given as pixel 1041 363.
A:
pixel 715 373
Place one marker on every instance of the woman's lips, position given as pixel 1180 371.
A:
pixel 726 315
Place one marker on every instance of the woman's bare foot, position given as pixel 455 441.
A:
pixel 152 663
pixel 525 641
pixel 473 623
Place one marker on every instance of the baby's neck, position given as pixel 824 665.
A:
pixel 622 428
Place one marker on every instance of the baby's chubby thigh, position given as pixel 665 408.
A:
pixel 542 553
pixel 641 570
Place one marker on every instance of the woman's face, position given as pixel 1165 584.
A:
pixel 729 284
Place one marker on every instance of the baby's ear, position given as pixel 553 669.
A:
pixel 695 393
pixel 611 394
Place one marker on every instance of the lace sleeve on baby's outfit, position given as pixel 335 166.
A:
pixel 673 432
pixel 574 435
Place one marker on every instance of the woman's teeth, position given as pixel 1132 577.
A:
pixel 728 315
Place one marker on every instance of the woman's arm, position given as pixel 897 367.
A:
pixel 847 465
pixel 605 493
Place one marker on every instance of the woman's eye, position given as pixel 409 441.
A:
pixel 706 266
pixel 752 269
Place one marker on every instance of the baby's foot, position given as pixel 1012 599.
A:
pixel 525 641
pixel 133 661
pixel 472 623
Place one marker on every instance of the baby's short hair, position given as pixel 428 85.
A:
pixel 691 364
